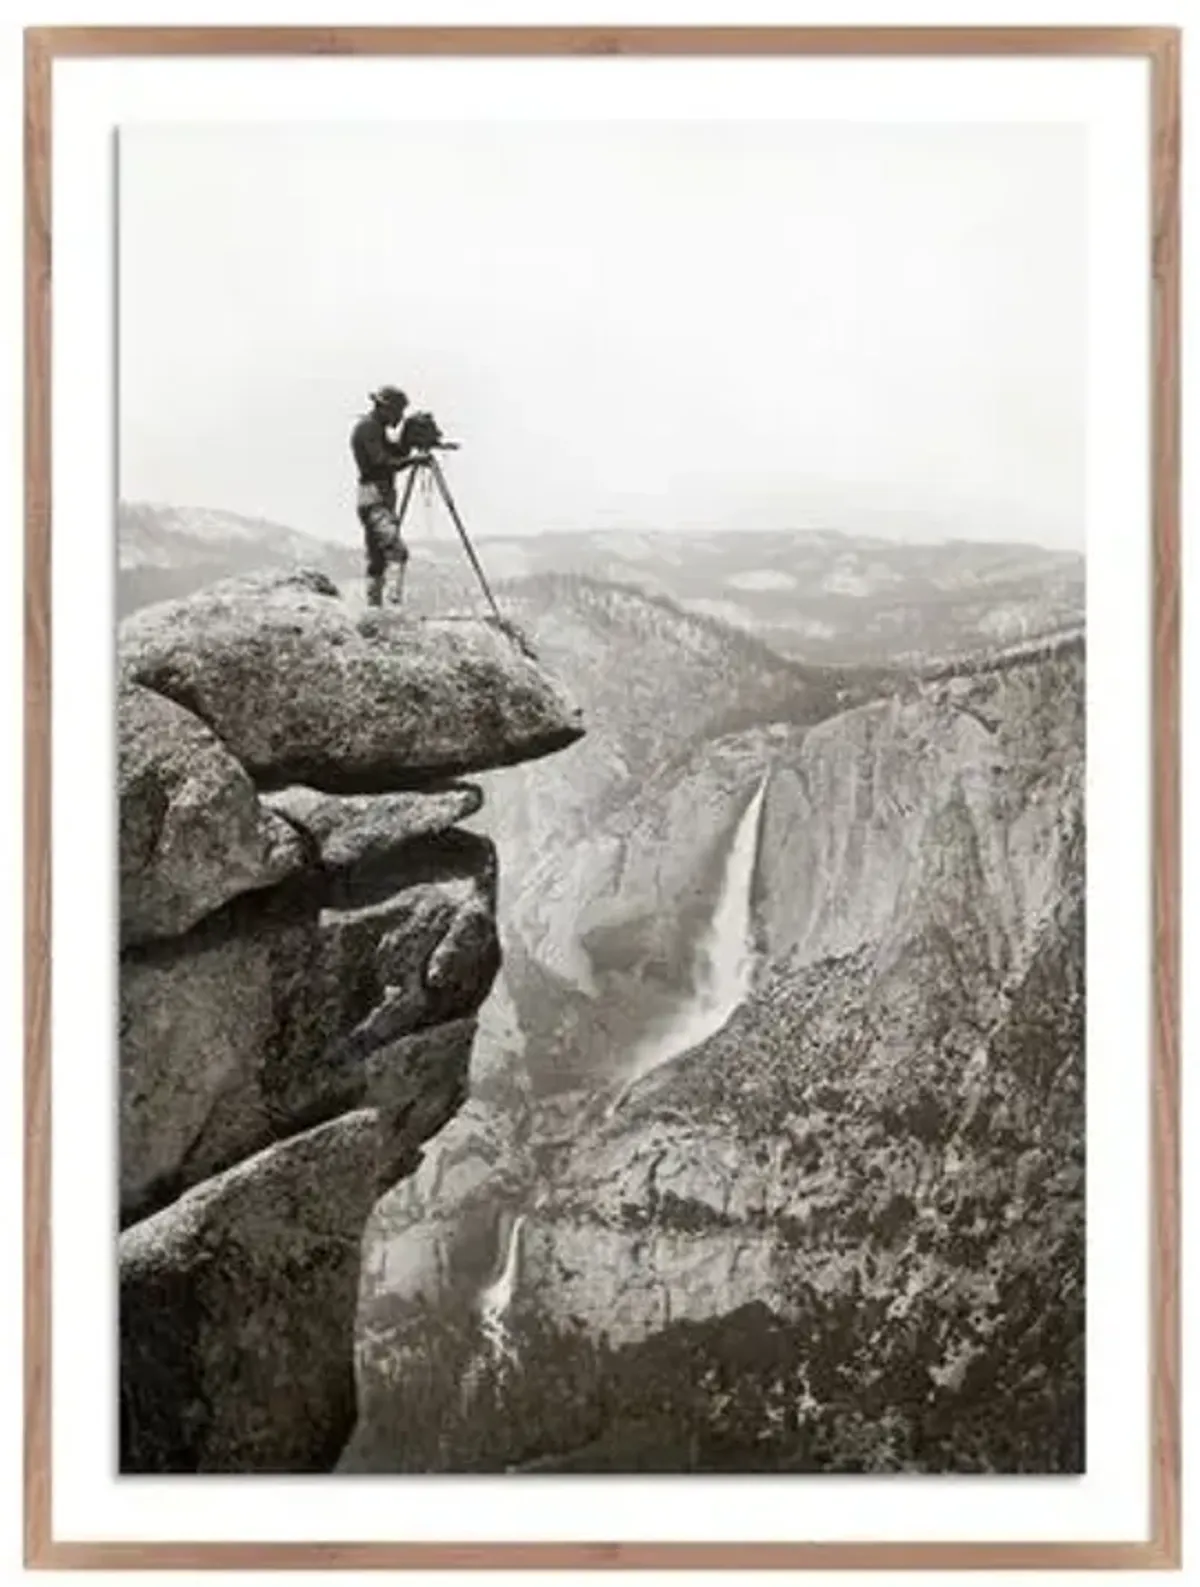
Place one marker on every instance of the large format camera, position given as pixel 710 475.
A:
pixel 421 432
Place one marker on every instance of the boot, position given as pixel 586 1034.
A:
pixel 375 590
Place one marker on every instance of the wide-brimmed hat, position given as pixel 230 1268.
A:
pixel 389 397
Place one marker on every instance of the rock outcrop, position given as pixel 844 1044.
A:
pixel 303 689
pixel 307 936
pixel 359 829
pixel 237 1310
pixel 193 832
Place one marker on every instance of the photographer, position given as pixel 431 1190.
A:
pixel 378 460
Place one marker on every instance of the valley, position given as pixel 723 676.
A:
pixel 773 1154
pixel 790 1109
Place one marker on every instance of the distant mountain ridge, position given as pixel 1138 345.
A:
pixel 828 595
pixel 164 552
pixel 822 596
pixel 155 534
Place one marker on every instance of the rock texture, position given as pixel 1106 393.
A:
pixel 192 831
pixel 237 1311
pixel 883 1150
pixel 263 1019
pixel 300 976
pixel 434 1232
pixel 369 829
pixel 197 1017
pixel 303 689
pixel 845 1233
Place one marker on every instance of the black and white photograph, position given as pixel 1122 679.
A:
pixel 600 629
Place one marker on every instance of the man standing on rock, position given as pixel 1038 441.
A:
pixel 378 460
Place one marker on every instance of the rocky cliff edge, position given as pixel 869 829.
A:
pixel 306 937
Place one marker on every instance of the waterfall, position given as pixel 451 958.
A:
pixel 496 1299
pixel 723 969
pixel 723 964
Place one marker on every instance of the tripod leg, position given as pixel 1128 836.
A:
pixel 397 594
pixel 406 497
pixel 444 489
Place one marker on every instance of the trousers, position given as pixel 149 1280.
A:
pixel 381 530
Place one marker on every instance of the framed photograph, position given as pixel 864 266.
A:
pixel 605 919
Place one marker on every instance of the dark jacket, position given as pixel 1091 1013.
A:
pixel 376 458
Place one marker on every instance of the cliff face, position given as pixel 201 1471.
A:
pixel 307 934
pixel 882 1152
pixel 844 1233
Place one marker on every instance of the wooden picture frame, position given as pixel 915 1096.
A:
pixel 1161 48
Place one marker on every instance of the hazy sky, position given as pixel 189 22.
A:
pixel 727 325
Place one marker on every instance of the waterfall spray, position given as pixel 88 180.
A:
pixel 496 1300
pixel 723 971
pixel 724 961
